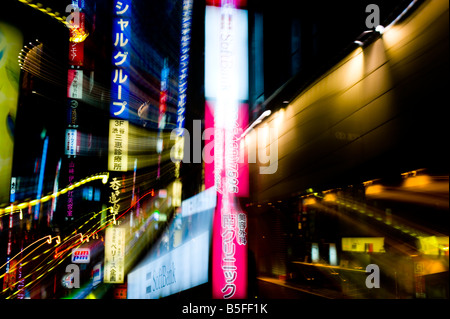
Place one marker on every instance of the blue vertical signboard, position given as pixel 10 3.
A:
pixel 186 22
pixel 120 78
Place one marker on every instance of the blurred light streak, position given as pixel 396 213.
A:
pixel 41 180
pixel 48 239
pixel 86 290
pixel 55 190
pixel 16 207
pixel 309 201
pixel 47 11
pixel 395 222
pixel 398 32
pixel 35 271
pixel 419 189
pixel 84 236
pixel 49 266
pixel 374 189
pixel 126 211
pixel 34 60
pixel 417 181
pixel 401 14
pixel 330 197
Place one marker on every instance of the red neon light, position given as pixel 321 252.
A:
pixel 238 4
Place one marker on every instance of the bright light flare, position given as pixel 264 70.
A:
pixel 379 29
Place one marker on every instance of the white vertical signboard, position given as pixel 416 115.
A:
pixel 71 142
pixel 114 255
pixel 75 84
pixel 118 145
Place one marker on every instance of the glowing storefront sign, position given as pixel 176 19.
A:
pixel 81 255
pixel 226 92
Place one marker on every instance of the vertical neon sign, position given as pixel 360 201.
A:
pixel 120 82
pixel 41 178
pixel 226 92
pixel 162 113
pixel 186 23
pixel 120 79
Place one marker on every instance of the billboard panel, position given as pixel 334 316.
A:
pixel 180 259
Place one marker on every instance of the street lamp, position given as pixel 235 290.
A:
pixel 256 122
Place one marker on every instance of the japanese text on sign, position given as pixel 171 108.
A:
pixel 118 145
pixel 120 58
pixel 184 62
pixel 114 255
pixel 114 198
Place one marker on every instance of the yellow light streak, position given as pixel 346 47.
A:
pixel 16 207
pixel 43 269
pixel 49 267
pixel 48 238
pixel 47 11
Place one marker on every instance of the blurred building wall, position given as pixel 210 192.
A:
pixel 379 110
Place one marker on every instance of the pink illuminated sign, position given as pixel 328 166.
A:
pixel 237 162
pixel 226 110
pixel 229 254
